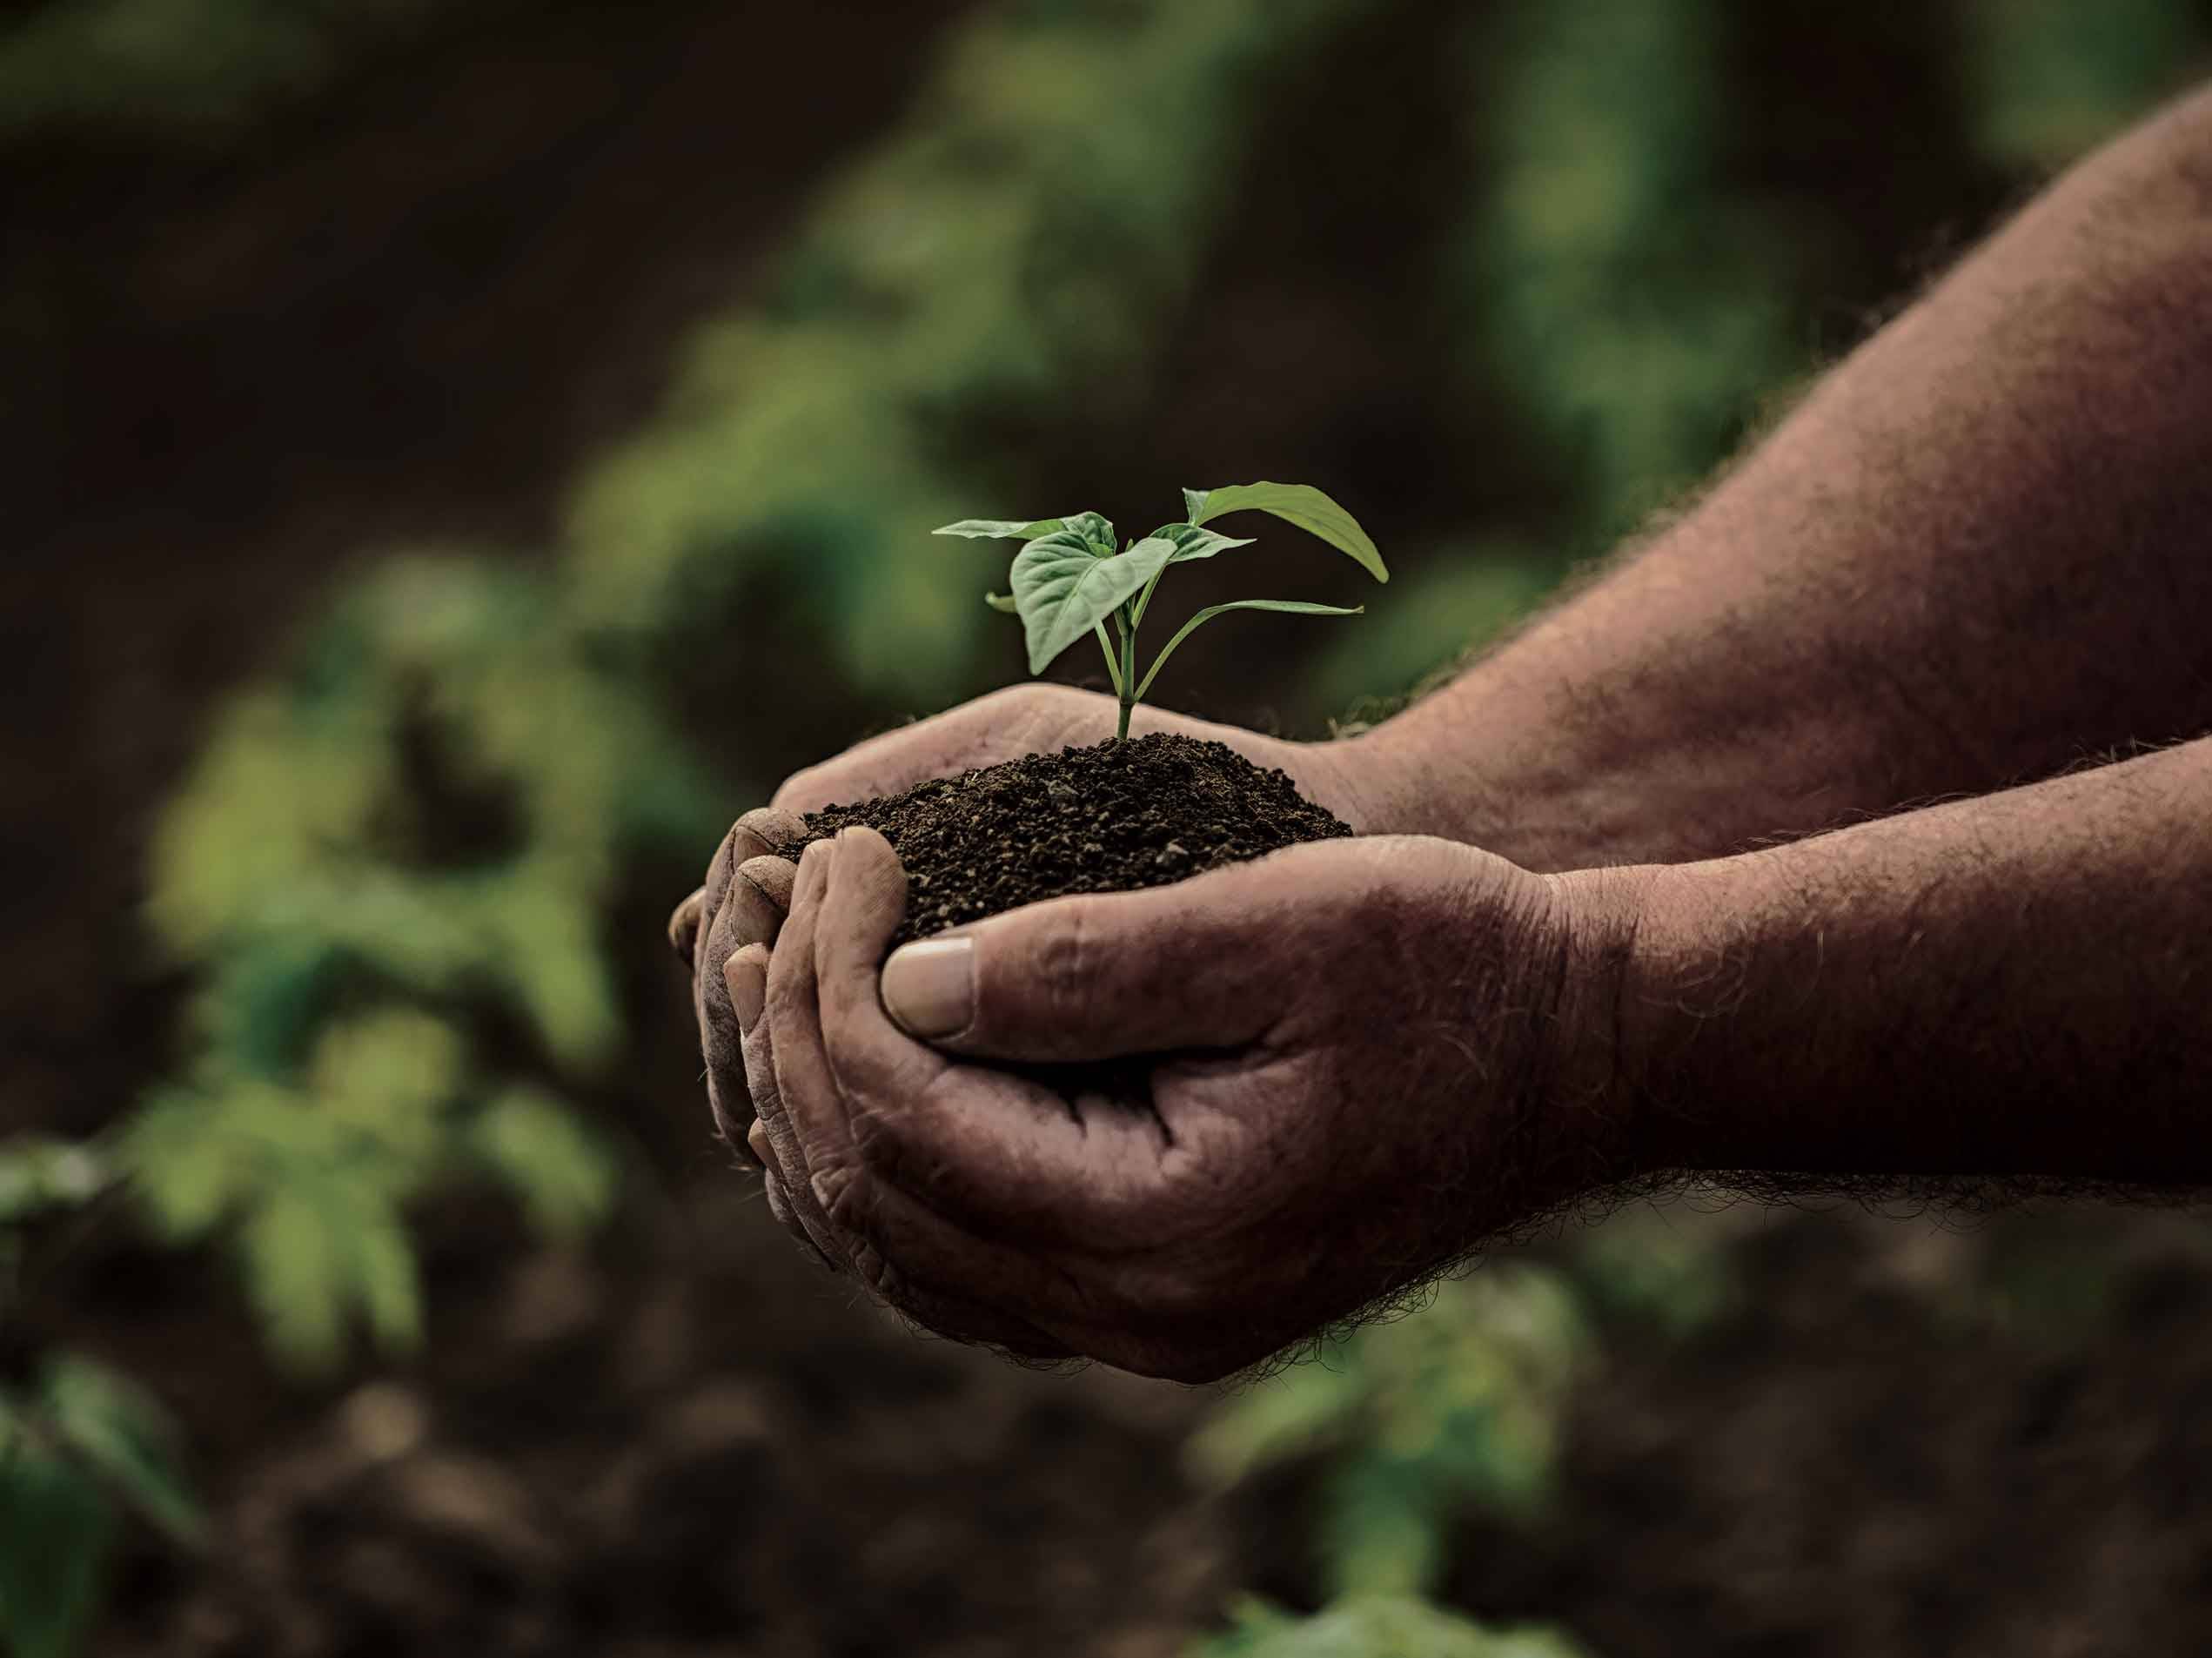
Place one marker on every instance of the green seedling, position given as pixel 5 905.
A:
pixel 1070 578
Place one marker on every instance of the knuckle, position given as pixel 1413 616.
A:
pixel 838 1190
pixel 1059 971
pixel 876 1272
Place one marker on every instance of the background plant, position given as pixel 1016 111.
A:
pixel 80 1442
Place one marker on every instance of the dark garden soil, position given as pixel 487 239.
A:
pixel 1110 818
pixel 686 1443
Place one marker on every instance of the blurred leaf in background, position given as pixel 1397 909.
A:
pixel 1376 1628
pixel 79 1443
pixel 185 66
pixel 1416 1419
pixel 2052 80
pixel 77 1440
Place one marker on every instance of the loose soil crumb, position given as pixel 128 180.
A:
pixel 1109 818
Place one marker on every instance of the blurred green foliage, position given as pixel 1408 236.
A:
pixel 1416 1418
pixel 80 1442
pixel 2050 78
pixel 1376 1628
pixel 187 66
pixel 392 874
pixel 384 1003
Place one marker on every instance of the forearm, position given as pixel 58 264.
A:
pixel 2014 986
pixel 1980 549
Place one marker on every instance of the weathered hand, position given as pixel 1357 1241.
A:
pixel 1333 1070
pixel 746 891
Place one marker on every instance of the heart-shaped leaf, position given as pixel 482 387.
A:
pixel 1064 589
pixel 1094 530
pixel 1300 503
pixel 1001 529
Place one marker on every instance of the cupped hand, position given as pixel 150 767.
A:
pixel 1179 1128
pixel 748 890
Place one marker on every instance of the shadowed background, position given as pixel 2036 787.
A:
pixel 459 457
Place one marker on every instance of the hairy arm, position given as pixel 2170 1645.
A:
pixel 1980 549
pixel 2018 986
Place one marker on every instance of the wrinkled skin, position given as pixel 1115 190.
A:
pixel 1355 1066
pixel 746 891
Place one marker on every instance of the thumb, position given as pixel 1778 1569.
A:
pixel 1203 963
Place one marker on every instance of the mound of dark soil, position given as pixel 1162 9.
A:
pixel 1108 818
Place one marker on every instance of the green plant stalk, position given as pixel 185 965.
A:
pixel 1125 681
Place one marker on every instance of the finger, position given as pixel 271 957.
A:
pixel 751 914
pixel 757 900
pixel 683 924
pixel 896 1240
pixel 790 985
pixel 759 1075
pixel 758 834
pixel 779 1205
pixel 1207 962
pixel 1000 1156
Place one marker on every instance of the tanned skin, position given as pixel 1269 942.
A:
pixel 1974 562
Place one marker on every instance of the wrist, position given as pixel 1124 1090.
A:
pixel 1604 1128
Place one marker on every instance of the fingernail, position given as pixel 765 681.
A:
pixel 748 988
pixel 929 988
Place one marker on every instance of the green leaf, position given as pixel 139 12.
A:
pixel 1064 590
pixel 1192 542
pixel 298 1273
pixel 1094 529
pixel 543 1151
pixel 37 1172
pixel 1004 601
pixel 1288 607
pixel 1001 529
pixel 1382 1525
pixel 1300 503
pixel 384 1276
pixel 123 1432
pixel 56 1528
pixel 1379 1627
pixel 1287 1416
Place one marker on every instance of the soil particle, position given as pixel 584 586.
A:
pixel 1108 818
